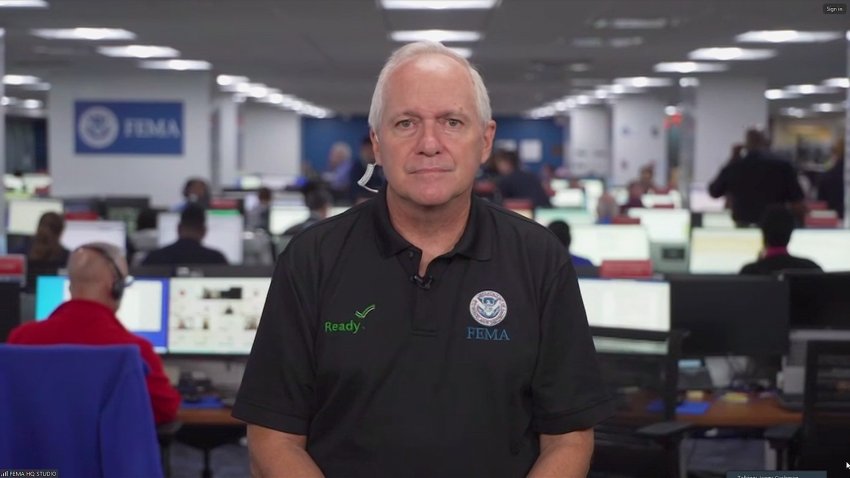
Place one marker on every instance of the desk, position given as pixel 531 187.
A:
pixel 757 413
pixel 208 428
pixel 208 416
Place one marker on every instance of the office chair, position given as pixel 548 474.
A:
pixel 820 443
pixel 82 410
pixel 641 439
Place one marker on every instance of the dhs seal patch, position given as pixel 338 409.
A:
pixel 488 308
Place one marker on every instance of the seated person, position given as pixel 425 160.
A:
pixel 188 249
pixel 777 224
pixel 635 199
pixel 195 191
pixel 318 201
pixel 562 231
pixel 97 272
pixel 515 183
pixel 258 216
pixel 45 246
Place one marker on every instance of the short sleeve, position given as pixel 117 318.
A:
pixel 277 389
pixel 568 393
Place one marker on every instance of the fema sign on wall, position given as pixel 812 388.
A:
pixel 137 127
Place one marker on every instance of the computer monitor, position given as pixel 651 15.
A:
pixel 25 213
pixel 572 197
pixel 671 199
pixel 723 251
pixel 219 270
pixel 730 315
pixel 829 248
pixel 82 205
pixel 143 309
pixel 626 304
pixel 717 220
pixel 124 209
pixel 282 217
pixel 35 181
pixel 593 188
pixel 215 316
pixel 818 300
pixel 668 226
pixel 224 233
pixel 700 201
pixel 77 233
pixel 607 242
pixel 573 217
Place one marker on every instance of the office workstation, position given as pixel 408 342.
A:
pixel 624 115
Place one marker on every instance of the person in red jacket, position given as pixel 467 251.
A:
pixel 97 273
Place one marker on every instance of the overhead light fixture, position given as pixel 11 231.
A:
pixel 837 82
pixel 18 80
pixel 828 107
pixel 625 42
pixel 438 4
pixel 23 4
pixel 138 51
pixel 810 89
pixel 579 67
pixel 177 65
pixel 631 23
pixel 670 110
pixel 588 42
pixel 435 35
pixel 688 82
pixel 689 67
pixel 731 54
pixel 84 33
pixel 40 86
pixel 787 36
pixel 776 94
pixel 795 112
pixel 643 82
pixel 464 52
pixel 32 104
pixel 231 80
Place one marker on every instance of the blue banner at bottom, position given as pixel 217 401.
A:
pixel 776 474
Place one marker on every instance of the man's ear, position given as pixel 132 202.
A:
pixel 376 147
pixel 489 135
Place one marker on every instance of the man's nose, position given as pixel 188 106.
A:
pixel 429 142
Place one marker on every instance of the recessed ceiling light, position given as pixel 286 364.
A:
pixel 23 4
pixel 138 51
pixel 796 112
pixel 689 67
pixel 438 4
pixel 178 65
pixel 625 42
pixel 631 23
pixel 670 110
pixel 787 36
pixel 32 104
pixel 837 82
pixel 84 33
pixel 435 35
pixel 17 80
pixel 464 52
pixel 810 89
pixel 731 53
pixel 776 94
pixel 231 80
pixel 643 82
pixel 688 82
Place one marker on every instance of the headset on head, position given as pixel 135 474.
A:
pixel 118 285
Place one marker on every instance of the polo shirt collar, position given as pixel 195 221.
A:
pixel 475 243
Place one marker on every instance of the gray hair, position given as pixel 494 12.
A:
pixel 411 50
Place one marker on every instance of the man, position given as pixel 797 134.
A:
pixel 777 224
pixel 339 169
pixel 187 249
pixel 831 186
pixel 195 191
pixel 425 332
pixel 755 181
pixel 318 200
pixel 97 273
pixel 258 216
pixel 562 231
pixel 516 183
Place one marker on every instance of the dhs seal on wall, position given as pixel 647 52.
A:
pixel 98 127
pixel 488 308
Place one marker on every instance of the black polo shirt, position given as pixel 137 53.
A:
pixel 454 374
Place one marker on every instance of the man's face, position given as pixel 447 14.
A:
pixel 431 141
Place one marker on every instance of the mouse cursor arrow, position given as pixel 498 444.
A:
pixel 848 465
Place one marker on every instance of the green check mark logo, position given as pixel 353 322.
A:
pixel 362 314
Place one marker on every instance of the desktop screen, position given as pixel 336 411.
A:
pixel 819 301
pixel 573 197
pixel 215 315
pixel 605 242
pixel 282 217
pixel 143 307
pixel 77 233
pixel 25 213
pixel 670 226
pixel 573 217
pixel 723 251
pixel 718 220
pixel 673 198
pixel 626 304
pixel 700 201
pixel 125 209
pixel 224 233
pixel 829 248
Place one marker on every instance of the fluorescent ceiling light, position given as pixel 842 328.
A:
pixel 625 42
pixel 230 80
pixel 588 42
pixel 796 112
pixel 17 80
pixel 464 52
pixel 837 82
pixel 689 67
pixel 579 67
pixel 438 4
pixel 631 23
pixel 787 36
pixel 731 53
pixel 138 51
pixel 40 86
pixel 178 65
pixel 688 82
pixel 32 104
pixel 670 110
pixel 827 107
pixel 93 34
pixel 435 35
pixel 810 89
pixel 776 94
pixel 23 4
pixel 643 82
pixel 6 101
